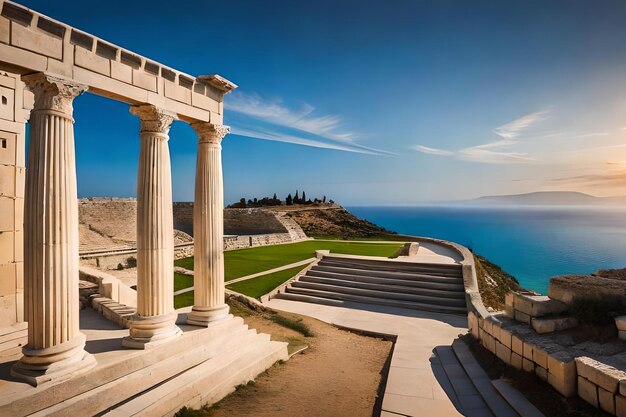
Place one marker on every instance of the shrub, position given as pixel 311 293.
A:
pixel 131 262
pixel 296 325
pixel 596 309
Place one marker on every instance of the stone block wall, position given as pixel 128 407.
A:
pixel 515 337
pixel 602 386
pixel 12 178
pixel 517 345
pixel 250 241
pixel 250 221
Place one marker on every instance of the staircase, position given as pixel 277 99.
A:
pixel 201 367
pixel 293 228
pixel 419 286
pixel 470 389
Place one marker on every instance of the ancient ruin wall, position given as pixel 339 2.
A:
pixel 252 221
pixel 108 224
pixel 12 176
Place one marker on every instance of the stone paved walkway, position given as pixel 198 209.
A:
pixel 412 388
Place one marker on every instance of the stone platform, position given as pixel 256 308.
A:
pixel 201 366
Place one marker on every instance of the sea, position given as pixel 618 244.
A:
pixel 532 243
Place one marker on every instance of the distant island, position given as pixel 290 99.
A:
pixel 547 198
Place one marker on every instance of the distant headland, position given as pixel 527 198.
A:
pixel 546 198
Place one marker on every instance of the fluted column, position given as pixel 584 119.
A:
pixel 155 320
pixel 55 348
pixel 208 227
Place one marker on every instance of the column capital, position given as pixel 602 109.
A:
pixel 209 132
pixel 153 119
pixel 52 92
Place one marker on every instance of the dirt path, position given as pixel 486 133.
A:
pixel 338 375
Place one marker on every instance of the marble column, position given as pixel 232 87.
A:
pixel 208 227
pixel 155 321
pixel 55 349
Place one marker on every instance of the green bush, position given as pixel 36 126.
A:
pixel 596 309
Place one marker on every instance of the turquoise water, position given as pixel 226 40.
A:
pixel 531 243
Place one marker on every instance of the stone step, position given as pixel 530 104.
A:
pixel 481 382
pixel 516 399
pixel 369 300
pixel 374 262
pixel 418 283
pixel 401 267
pixel 12 338
pixel 100 398
pixel 387 274
pixel 553 324
pixel 384 286
pixel 535 305
pixel 467 398
pixel 206 383
pixel 118 368
pixel 381 292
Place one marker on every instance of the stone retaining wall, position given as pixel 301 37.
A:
pixel 567 370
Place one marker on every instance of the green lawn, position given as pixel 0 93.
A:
pixel 256 287
pixel 182 281
pixel 242 262
pixel 183 300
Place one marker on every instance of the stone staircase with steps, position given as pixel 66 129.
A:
pixel 200 367
pixel 293 228
pixel 470 389
pixel 419 286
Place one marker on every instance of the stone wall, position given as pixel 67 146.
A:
pixel 522 337
pixel 250 221
pixel 108 231
pixel 249 241
pixel 12 176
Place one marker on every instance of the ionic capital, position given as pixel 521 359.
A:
pixel 153 119
pixel 53 93
pixel 209 132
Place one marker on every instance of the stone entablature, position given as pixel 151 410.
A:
pixel 32 42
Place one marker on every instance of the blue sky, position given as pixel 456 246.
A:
pixel 396 102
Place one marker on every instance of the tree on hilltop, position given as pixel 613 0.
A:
pixel 289 200
pixel 303 197
pixel 296 199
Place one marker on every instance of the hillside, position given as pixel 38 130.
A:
pixel 548 198
pixel 333 222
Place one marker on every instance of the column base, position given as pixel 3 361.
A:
pixel 53 364
pixel 202 316
pixel 146 332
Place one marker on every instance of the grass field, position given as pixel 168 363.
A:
pixel 183 300
pixel 256 287
pixel 242 262
pixel 182 281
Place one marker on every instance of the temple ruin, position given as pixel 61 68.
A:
pixel 44 66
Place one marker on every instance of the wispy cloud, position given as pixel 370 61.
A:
pixel 486 156
pixel 495 152
pixel 590 135
pixel 610 179
pixel 516 127
pixel 280 137
pixel 275 121
pixel 432 151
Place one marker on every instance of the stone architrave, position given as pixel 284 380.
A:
pixel 155 321
pixel 55 349
pixel 208 227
